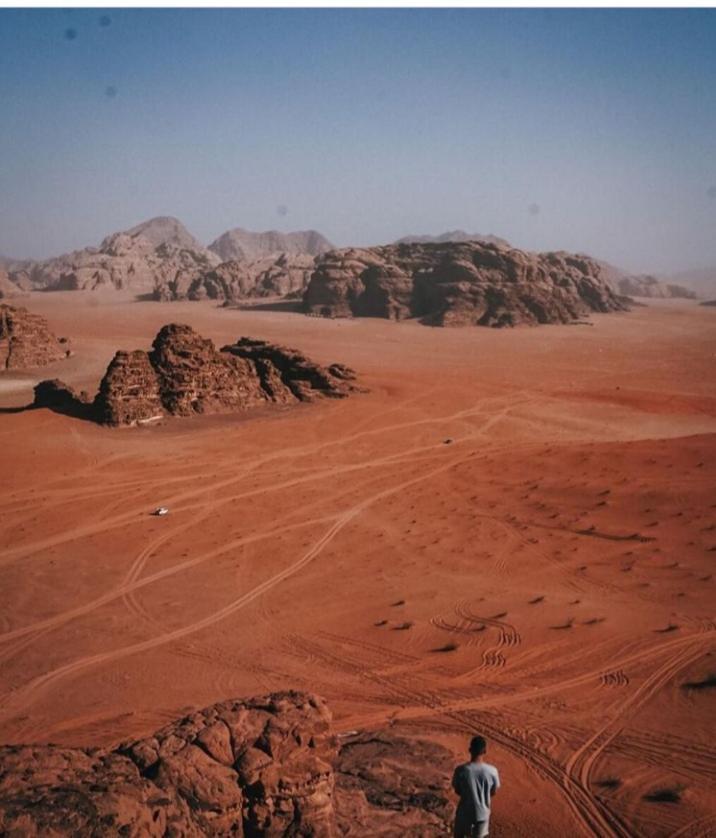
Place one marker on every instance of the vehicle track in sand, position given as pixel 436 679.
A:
pixel 129 516
pixel 23 694
pixel 390 459
pixel 580 765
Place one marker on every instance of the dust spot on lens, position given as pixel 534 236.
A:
pixel 105 20
pixel 70 34
pixel 533 209
pixel 711 192
pixel 282 209
pixel 110 91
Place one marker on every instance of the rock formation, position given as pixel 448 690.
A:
pixel 164 229
pixel 242 245
pixel 387 785
pixel 184 374
pixel 8 289
pixel 455 236
pixel 124 261
pixel 459 284
pixel 26 340
pixel 259 767
pixel 283 276
pixel 649 286
pixel 267 766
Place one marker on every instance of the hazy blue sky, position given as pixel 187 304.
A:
pixel 584 130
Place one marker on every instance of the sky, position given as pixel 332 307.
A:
pixel 585 130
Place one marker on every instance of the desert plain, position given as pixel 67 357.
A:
pixel 512 532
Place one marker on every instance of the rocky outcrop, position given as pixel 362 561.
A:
pixel 388 785
pixel 156 251
pixel 184 374
pixel 455 236
pixel 259 767
pixel 649 286
pixel 283 276
pixel 242 245
pixel 26 340
pixel 287 375
pixel 8 289
pixel 165 229
pixel 268 766
pixel 459 284
pixel 129 391
pixel 62 398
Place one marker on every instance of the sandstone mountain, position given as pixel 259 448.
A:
pixel 242 245
pixel 454 236
pixel 165 229
pixel 184 374
pixel 702 281
pixel 649 286
pixel 123 261
pixel 286 275
pixel 26 340
pixel 268 766
pixel 459 284
pixel 8 288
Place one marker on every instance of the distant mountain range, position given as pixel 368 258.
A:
pixel 161 251
pixel 160 256
pixel 240 244
pixel 703 281
pixel 454 236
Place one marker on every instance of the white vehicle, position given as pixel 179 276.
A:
pixel 162 510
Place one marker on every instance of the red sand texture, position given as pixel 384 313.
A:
pixel 545 579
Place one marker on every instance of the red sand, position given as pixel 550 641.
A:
pixel 544 579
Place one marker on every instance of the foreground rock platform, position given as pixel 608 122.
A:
pixel 262 766
pixel 268 766
pixel 459 284
pixel 26 340
pixel 184 374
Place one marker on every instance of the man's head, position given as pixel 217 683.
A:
pixel 478 746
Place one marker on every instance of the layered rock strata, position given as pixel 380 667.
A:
pixel 184 374
pixel 457 284
pixel 26 340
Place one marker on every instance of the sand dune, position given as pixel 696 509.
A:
pixel 544 577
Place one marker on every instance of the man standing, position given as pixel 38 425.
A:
pixel 475 781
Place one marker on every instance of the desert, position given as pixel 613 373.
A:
pixel 507 530
pixel 357 421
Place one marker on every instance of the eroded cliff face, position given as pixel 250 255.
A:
pixel 284 275
pixel 26 340
pixel 255 767
pixel 269 766
pixel 184 374
pixel 459 284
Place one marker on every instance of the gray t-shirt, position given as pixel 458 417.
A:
pixel 475 782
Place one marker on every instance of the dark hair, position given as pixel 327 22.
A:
pixel 478 746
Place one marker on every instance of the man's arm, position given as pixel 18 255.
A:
pixel 456 780
pixel 495 784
